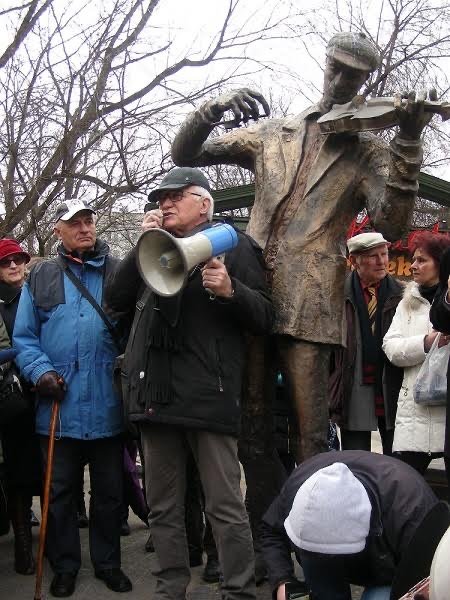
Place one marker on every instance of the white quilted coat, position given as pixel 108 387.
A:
pixel 417 428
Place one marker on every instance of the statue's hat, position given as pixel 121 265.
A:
pixel 354 50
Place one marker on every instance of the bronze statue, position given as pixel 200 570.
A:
pixel 309 187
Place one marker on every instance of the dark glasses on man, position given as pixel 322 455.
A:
pixel 18 259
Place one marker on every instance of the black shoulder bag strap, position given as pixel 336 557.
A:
pixel 137 315
pixel 90 298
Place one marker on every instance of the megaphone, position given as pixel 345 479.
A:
pixel 165 261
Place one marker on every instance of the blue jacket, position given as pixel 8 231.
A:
pixel 57 329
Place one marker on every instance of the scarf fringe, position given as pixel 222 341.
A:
pixel 163 340
pixel 159 393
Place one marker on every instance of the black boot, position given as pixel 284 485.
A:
pixel 19 511
pixel 211 572
pixel 33 519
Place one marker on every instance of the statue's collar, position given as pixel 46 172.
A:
pixel 294 122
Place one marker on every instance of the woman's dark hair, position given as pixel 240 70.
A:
pixel 434 244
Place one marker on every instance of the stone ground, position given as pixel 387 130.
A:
pixel 136 563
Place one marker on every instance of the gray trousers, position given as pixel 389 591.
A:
pixel 165 454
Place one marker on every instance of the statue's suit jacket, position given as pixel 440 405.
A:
pixel 350 172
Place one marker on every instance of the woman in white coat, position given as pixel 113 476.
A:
pixel 419 430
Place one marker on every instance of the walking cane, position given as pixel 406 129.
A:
pixel 46 501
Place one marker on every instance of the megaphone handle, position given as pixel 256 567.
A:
pixel 212 295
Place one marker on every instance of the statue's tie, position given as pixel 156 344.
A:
pixel 372 306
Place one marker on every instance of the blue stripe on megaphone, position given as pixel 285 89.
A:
pixel 223 238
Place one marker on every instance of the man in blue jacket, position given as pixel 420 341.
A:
pixel 67 351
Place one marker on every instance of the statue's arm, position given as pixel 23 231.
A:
pixel 391 199
pixel 391 211
pixel 192 145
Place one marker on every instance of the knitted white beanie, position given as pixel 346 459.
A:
pixel 330 513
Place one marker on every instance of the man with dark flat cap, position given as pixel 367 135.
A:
pixel 182 375
pixel 309 187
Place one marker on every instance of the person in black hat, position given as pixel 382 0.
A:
pixel 182 383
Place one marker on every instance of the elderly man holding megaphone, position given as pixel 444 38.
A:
pixel 183 367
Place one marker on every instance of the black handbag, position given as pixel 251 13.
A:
pixel 13 403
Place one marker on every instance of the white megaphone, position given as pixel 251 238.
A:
pixel 165 261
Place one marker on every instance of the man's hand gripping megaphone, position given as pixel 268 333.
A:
pixel 216 280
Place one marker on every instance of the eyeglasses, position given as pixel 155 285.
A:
pixel 175 196
pixel 17 260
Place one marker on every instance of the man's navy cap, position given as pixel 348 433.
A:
pixel 179 178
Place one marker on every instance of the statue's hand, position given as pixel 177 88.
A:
pixel 411 114
pixel 243 103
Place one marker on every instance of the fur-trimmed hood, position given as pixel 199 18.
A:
pixel 412 298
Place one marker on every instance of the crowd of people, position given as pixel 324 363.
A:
pixel 198 370
pixel 187 409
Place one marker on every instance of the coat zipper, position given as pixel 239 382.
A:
pixel 219 366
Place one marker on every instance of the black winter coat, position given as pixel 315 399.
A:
pixel 440 318
pixel 184 360
pixel 20 443
pixel 9 301
pixel 400 500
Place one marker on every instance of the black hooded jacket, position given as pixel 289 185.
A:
pixel 440 318
pixel 400 500
pixel 185 356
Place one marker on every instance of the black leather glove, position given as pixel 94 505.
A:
pixel 51 385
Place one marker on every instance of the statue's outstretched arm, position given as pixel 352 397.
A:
pixel 191 145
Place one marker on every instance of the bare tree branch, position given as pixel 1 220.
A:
pixel 30 19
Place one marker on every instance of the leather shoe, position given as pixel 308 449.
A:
pixel 34 520
pixel 125 528
pixel 211 572
pixel 63 585
pixel 115 579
